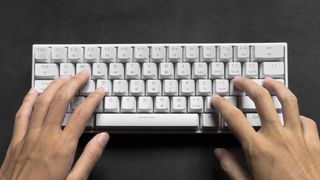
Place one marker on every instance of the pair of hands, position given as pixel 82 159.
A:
pixel 40 149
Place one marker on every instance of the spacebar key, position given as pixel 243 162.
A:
pixel 176 121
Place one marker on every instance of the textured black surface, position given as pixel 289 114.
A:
pixel 23 23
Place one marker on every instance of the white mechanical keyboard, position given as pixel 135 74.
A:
pixel 161 88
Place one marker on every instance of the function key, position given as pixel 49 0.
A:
pixel 42 54
pixel 174 54
pixel 108 54
pixel 241 53
pixel 208 53
pixel 125 54
pixel 91 54
pixel 58 54
pixel 224 53
pixel 75 54
pixel 158 53
pixel 191 53
pixel 141 54
pixel 267 53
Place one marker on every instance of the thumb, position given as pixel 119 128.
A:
pixel 91 154
pixel 230 165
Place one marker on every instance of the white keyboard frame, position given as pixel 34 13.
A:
pixel 157 131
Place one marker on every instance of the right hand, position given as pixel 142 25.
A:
pixel 285 152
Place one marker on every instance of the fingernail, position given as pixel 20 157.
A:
pixel 84 72
pixel 103 138
pixel 218 152
pixel 268 77
pixel 32 91
pixel 66 77
pixel 101 89
pixel 237 77
pixel 214 97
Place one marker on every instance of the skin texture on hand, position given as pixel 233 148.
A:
pixel 290 151
pixel 39 148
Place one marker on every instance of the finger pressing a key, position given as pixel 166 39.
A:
pixel 81 115
pixel 235 119
pixel 60 103
pixel 288 101
pixel 262 100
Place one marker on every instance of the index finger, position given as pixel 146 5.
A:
pixel 235 119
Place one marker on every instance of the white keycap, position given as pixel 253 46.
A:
pixel 116 71
pixel 58 54
pixel 183 71
pixel 149 71
pixel 208 53
pixel 250 70
pixel 108 54
pixel 106 85
pixel 125 54
pixel 136 88
pixel 145 104
pixel 204 87
pixel 216 70
pixel 141 53
pixel 158 54
pixel 267 52
pixel 208 105
pixel 210 121
pixel 246 104
pixel 191 53
pixel 41 85
pixel 232 99
pixel 187 87
pixel 120 87
pixel 128 104
pixel 166 71
pixel 234 90
pixel 233 69
pixel 42 54
pixel 83 67
pixel 170 87
pixel 162 104
pixel 75 54
pixel 46 71
pixel 89 87
pixel 67 69
pixel 255 121
pixel 66 119
pixel 174 54
pixel 91 54
pixel 195 104
pixel 99 71
pixel 133 71
pixel 153 87
pixel 221 87
pixel 199 70
pixel 111 104
pixel 76 102
pixel 272 69
pixel 178 104
pixel 224 53
pixel 176 120
pixel 241 53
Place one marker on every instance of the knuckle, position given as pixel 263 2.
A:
pixel 80 113
pixel 63 96
pixel 43 101
pixel 288 98
pixel 260 93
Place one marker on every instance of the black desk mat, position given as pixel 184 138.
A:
pixel 23 23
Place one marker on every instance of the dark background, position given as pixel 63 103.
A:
pixel 23 23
